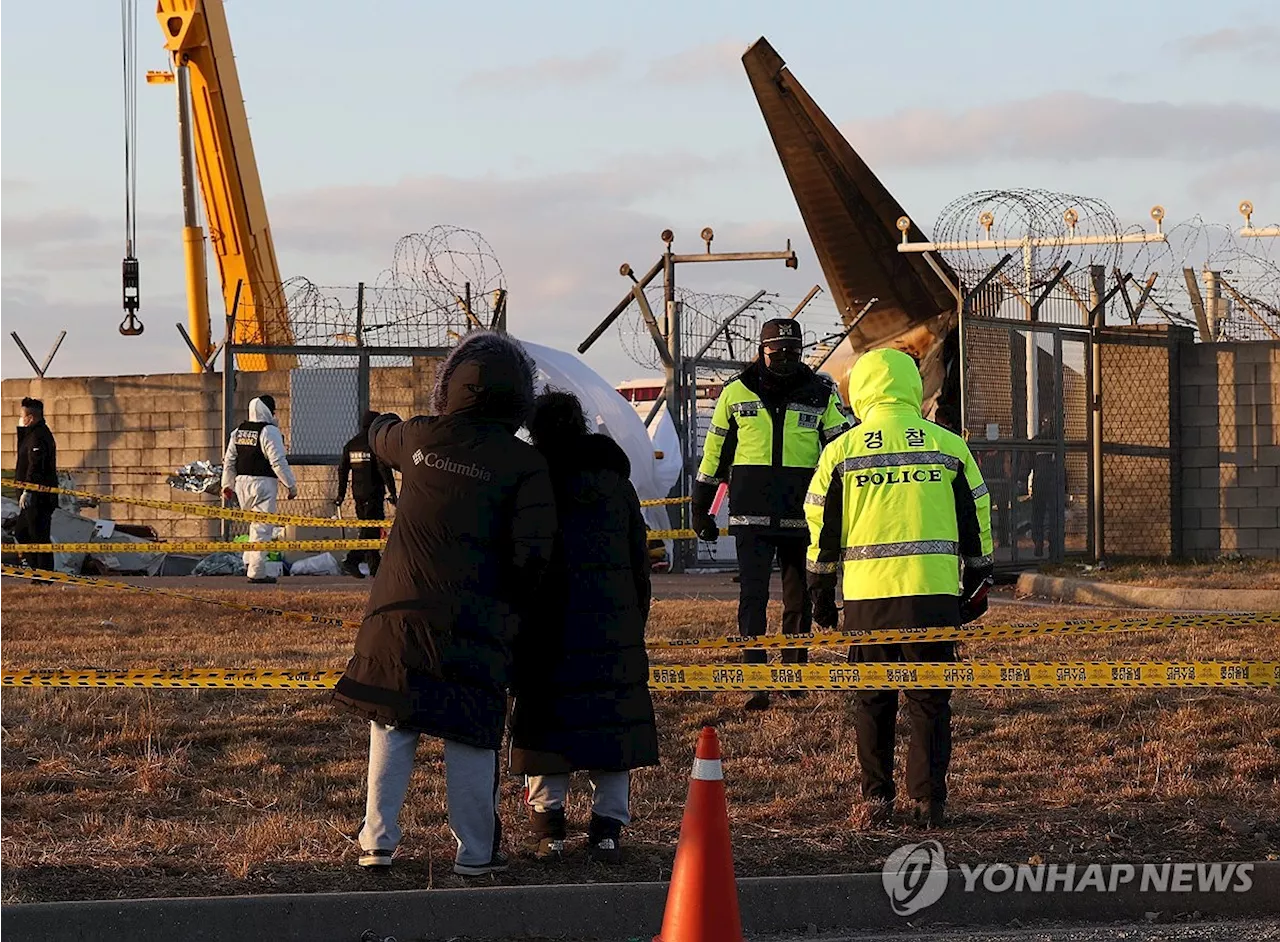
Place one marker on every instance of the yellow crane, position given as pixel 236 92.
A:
pixel 216 149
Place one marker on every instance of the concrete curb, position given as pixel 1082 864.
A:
pixel 1130 596
pixel 605 911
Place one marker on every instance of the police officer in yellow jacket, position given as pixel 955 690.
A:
pixel 899 508
pixel 767 431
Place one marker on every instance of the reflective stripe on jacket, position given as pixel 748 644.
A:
pixel 766 446
pixel 899 503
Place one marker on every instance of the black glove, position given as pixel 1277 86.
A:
pixel 825 613
pixel 973 603
pixel 705 526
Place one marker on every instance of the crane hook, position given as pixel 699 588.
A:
pixel 130 326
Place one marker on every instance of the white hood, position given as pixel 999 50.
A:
pixel 258 412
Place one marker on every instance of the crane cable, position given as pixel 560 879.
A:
pixel 130 326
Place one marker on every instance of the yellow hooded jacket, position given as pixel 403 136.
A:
pixel 897 504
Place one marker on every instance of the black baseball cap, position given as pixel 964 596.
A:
pixel 781 330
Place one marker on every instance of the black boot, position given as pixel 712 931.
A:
pixel 930 814
pixel 548 833
pixel 603 839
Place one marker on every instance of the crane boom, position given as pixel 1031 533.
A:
pixel 197 37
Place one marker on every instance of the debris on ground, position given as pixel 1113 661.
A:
pixel 322 564
pixel 220 564
pixel 198 477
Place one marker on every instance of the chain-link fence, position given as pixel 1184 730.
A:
pixel 1140 449
pixel 1026 411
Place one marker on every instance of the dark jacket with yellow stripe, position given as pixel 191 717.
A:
pixel 765 438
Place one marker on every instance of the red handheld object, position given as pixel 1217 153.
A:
pixel 721 493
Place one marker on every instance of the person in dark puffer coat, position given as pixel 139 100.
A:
pixel 471 541
pixel 582 696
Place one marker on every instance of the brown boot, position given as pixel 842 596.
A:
pixel 757 701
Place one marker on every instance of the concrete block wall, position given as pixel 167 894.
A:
pixel 126 434
pixel 1231 449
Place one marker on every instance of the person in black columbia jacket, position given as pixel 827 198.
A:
pixel 471 540
pixel 371 481
pixel 37 464
pixel 582 695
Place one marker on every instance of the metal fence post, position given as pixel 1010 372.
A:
pixel 229 387
pixel 362 369
pixel 677 406
pixel 1097 291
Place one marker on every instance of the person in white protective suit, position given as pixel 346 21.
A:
pixel 253 469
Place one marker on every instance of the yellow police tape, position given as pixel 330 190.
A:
pixel 917 675
pixel 960 675
pixel 196 546
pixel 193 509
pixel 820 639
pixel 45 575
pixel 676 534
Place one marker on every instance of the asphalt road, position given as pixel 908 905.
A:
pixel 1216 931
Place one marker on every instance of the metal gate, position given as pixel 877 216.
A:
pixel 1026 409
pixel 1030 405
pixel 1141 477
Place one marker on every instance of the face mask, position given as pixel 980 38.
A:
pixel 784 362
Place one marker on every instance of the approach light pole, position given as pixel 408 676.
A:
pixel 681 392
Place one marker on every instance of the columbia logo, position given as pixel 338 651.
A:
pixel 419 457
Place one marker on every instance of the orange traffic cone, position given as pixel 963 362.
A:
pixel 702 902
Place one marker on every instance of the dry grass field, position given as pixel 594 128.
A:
pixel 1242 573
pixel 133 793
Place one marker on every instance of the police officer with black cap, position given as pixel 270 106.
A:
pixel 768 430
pixel 37 464
pixel 372 480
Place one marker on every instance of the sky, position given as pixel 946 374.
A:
pixel 571 133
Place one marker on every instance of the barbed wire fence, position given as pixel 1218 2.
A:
pixel 1238 275
pixel 705 312
pixel 441 283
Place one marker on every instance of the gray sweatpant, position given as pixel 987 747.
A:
pixel 471 789
pixel 610 793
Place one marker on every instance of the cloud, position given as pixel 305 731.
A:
pixel 93 346
pixel 1066 127
pixel 708 62
pixel 1241 176
pixel 544 73
pixel 21 233
pixel 559 237
pixel 1260 41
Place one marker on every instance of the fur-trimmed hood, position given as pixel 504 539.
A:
pixel 487 376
